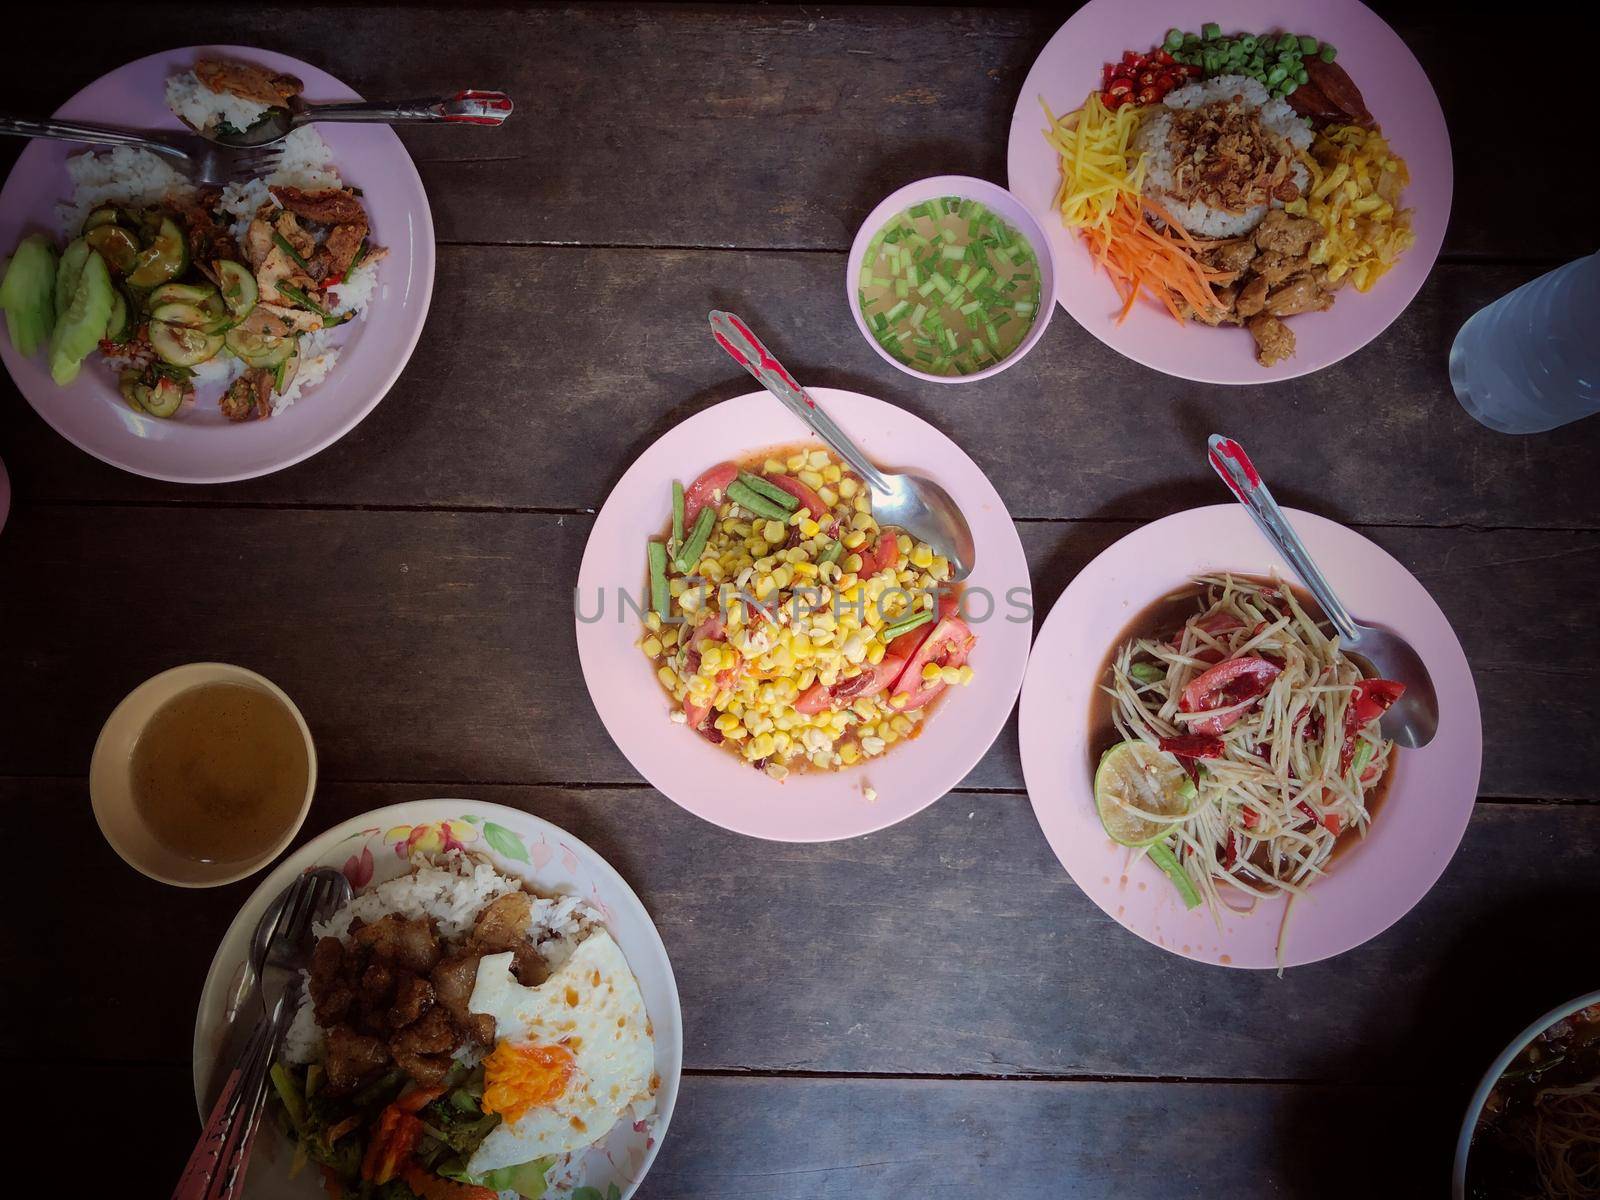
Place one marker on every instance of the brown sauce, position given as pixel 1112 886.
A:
pixel 1162 619
pixel 220 772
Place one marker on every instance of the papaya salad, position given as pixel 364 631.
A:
pixel 1232 180
pixel 1238 746
pixel 787 626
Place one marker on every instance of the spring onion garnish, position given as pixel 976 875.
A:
pixel 301 300
pixel 949 287
pixel 287 247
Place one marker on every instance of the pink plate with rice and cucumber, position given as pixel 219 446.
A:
pixel 202 335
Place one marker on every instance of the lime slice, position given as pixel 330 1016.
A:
pixel 1135 778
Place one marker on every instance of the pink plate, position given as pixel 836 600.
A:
pixel 201 446
pixel 1373 883
pixel 1396 90
pixel 712 783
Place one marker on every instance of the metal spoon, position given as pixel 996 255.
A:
pixel 1414 718
pixel 464 108
pixel 913 503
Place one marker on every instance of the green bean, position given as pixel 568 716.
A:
pixel 832 553
pixel 656 553
pixel 677 512
pixel 754 501
pixel 905 625
pixel 1308 44
pixel 690 553
pixel 770 490
pixel 1211 31
pixel 1328 53
pixel 1174 39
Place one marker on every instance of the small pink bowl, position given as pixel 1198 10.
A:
pixel 968 188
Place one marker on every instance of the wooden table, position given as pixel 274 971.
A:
pixel 933 1011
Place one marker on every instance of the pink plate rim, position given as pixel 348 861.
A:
pixel 1374 883
pixel 711 783
pixel 91 415
pixel 1396 89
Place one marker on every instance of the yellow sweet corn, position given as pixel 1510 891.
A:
pixel 651 647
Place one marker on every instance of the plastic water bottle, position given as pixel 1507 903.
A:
pixel 1531 360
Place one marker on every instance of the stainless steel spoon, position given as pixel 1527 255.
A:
pixel 913 503
pixel 470 107
pixel 1414 718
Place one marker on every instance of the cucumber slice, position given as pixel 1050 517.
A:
pixel 284 375
pixel 259 349
pixel 83 324
pixel 116 245
pixel 176 313
pixel 118 327
pixel 182 293
pixel 67 271
pixel 183 347
pixel 238 288
pixel 27 293
pixel 164 398
pixel 134 390
pixel 1136 776
pixel 166 257
pixel 106 214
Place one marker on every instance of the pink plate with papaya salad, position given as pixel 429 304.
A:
pixel 1238 194
pixel 772 658
pixel 1210 766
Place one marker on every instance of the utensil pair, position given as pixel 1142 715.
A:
pixel 279 950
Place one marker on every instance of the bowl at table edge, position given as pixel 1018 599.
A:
pixel 1007 207
pixel 111 784
pixel 1469 1126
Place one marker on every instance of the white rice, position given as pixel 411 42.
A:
pixel 452 890
pixel 124 175
pixel 200 108
pixel 304 161
pixel 1198 217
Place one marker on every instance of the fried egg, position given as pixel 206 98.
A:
pixel 570 1056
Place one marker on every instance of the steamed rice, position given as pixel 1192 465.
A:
pixel 452 890
pixel 200 108
pixel 1199 218
pixel 123 175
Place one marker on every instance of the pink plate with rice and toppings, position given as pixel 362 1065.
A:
pixel 212 370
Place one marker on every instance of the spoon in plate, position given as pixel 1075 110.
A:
pixel 913 503
pixel 471 107
pixel 1413 719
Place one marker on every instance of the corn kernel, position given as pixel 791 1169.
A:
pixel 807 678
pixel 864 522
pixel 811 479
pixel 951 676
pixel 966 674
pixel 863 504
pixel 773 531
pixel 651 647
pixel 852 563
pixel 795 462
pixel 772 466
pixel 901 724
pixel 872 745
pixel 832 473
pixel 848 487
pixel 669 637
pixel 921 555
pixel 899 699
pixel 848 753
pixel 854 540
pixel 817 460
pixel 822 760
pixel 777 771
pixel 668 677
pixel 930 672
pixel 652 621
pixel 875 652
pixel 726 722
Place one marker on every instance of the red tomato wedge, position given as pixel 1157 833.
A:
pixel 948 646
pixel 1369 701
pixel 808 499
pixel 906 644
pixel 871 681
pixel 708 489
pixel 1226 684
pixel 884 553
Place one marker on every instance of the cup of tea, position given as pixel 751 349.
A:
pixel 202 775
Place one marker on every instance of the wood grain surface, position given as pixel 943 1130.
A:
pixel 932 1011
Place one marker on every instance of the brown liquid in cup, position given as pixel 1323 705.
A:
pixel 219 773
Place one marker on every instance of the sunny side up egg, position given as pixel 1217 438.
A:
pixel 570 1056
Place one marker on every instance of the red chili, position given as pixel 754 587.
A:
pixel 1193 746
pixel 1120 87
pixel 1148 94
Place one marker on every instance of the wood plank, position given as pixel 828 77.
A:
pixel 804 117
pixel 951 944
pixel 509 404
pixel 439 646
pixel 816 1139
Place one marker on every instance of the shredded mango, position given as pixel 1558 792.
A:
pixel 1093 143
pixel 1356 181
pixel 1099 196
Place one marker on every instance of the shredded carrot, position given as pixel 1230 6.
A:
pixel 1140 258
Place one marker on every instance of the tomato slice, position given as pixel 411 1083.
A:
pixel 948 646
pixel 708 489
pixel 808 499
pixel 1373 698
pixel 871 681
pixel 906 644
pixel 1223 685
pixel 884 553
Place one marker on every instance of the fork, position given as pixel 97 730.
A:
pixel 206 162
pixel 216 1168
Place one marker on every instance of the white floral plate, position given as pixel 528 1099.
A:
pixel 380 845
